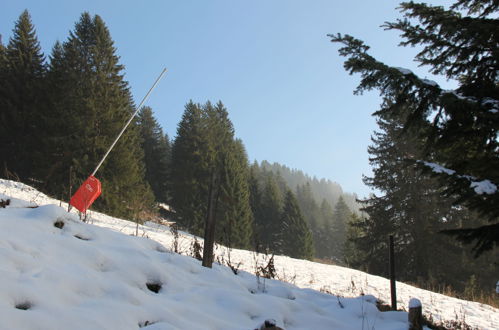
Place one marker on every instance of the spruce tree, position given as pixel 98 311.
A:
pixel 22 100
pixel 268 226
pixel 296 237
pixel 188 177
pixel 235 218
pixel 461 148
pixel 324 241
pixel 205 148
pixel 157 153
pixel 93 104
pixel 312 215
pixel 341 215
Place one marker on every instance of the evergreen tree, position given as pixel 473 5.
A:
pixel 235 218
pixel 325 244
pixel 312 215
pixel 157 153
pixel 93 103
pixel 205 148
pixel 21 100
pixel 354 256
pixel 268 224
pixel 461 44
pixel 341 216
pixel 411 208
pixel 296 238
pixel 188 177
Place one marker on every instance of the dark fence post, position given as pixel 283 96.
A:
pixel 393 289
pixel 415 314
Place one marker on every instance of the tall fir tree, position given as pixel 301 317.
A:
pixel 297 241
pixel 324 237
pixel 268 225
pixel 410 207
pixel 157 154
pixel 312 215
pixel 189 187
pixel 92 102
pixel 462 149
pixel 235 218
pixel 22 100
pixel 205 148
pixel 341 215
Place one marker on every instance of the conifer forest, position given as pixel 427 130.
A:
pixel 434 155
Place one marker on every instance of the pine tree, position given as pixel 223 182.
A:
pixel 157 153
pixel 188 177
pixel 341 215
pixel 296 237
pixel 268 226
pixel 235 225
pixel 324 242
pixel 461 44
pixel 22 100
pixel 312 215
pixel 93 103
pixel 205 148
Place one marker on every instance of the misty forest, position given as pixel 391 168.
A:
pixel 434 155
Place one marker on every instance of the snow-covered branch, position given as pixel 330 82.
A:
pixel 480 187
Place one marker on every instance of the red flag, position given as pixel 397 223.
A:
pixel 86 194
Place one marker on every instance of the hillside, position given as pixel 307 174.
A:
pixel 97 276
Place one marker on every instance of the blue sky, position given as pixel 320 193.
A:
pixel 269 61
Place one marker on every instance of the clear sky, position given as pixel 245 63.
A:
pixel 269 61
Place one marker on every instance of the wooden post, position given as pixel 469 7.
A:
pixel 393 289
pixel 415 314
pixel 209 229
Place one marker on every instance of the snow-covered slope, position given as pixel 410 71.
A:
pixel 83 276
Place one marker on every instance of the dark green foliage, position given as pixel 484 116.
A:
pixel 411 208
pixel 323 235
pixel 22 100
pixel 312 215
pixel 205 146
pixel 234 214
pixel 189 180
pixel 464 123
pixel 268 225
pixel 341 216
pixel 91 103
pixel 297 239
pixel 157 154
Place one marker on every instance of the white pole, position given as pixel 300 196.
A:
pixel 129 121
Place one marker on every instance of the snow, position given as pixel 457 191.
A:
pixel 404 71
pixel 439 168
pixel 488 101
pixel 95 276
pixel 480 187
pixel 429 82
pixel 414 303
pixel 484 187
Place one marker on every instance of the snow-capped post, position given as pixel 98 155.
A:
pixel 393 289
pixel 415 314
pixel 91 187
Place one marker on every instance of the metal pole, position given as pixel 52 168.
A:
pixel 129 121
